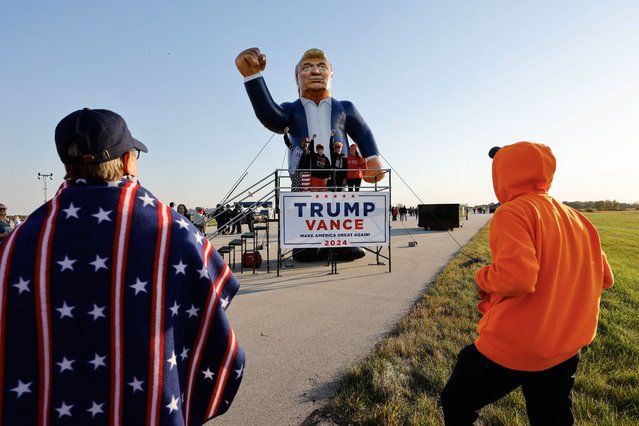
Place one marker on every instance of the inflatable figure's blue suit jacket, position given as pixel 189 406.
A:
pixel 345 119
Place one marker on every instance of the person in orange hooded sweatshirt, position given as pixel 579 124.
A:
pixel 540 296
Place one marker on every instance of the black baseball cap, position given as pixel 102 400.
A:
pixel 100 135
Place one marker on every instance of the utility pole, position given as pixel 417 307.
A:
pixel 44 177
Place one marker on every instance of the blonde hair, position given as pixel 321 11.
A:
pixel 107 171
pixel 313 53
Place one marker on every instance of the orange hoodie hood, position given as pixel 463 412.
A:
pixel 522 168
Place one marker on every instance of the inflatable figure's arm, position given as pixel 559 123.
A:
pixel 359 131
pixel 250 63
pixel 271 115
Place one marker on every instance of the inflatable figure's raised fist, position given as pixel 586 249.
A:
pixel 250 62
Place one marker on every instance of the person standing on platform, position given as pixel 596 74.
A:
pixel 337 179
pixel 320 165
pixel 304 165
pixel 356 166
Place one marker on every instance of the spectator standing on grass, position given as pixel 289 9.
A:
pixel 113 304
pixel 539 297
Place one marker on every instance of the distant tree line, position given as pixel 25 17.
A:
pixel 602 205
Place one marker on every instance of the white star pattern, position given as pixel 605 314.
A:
pixel 136 384
pixel 65 310
pixel 99 263
pixel 102 215
pixel 66 263
pixel 204 272
pixel 97 312
pixel 113 183
pixel 98 361
pixel 180 268
pixel 147 200
pixel 183 223
pixel 185 353
pixel 66 364
pixel 64 410
pixel 21 388
pixel 72 211
pixel 173 404
pixel 208 374
pixel 239 372
pixel 193 311
pixel 172 360
pixel 95 409
pixel 224 302
pixel 22 285
pixel 199 237
pixel 174 309
pixel 139 286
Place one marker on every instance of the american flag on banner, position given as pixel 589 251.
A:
pixel 112 312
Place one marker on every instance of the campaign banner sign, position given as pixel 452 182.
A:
pixel 333 219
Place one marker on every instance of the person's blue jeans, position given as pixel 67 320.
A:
pixel 477 381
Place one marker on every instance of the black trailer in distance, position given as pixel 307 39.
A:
pixel 441 216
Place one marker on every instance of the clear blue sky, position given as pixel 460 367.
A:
pixel 439 83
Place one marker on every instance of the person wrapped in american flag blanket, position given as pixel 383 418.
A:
pixel 112 305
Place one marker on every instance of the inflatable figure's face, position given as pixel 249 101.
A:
pixel 314 78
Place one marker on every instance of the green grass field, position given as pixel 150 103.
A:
pixel 399 383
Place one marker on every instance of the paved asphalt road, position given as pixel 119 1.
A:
pixel 302 329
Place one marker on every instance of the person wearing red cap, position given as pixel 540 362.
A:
pixel 356 166
pixel 539 297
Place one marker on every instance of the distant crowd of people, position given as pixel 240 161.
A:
pixel 402 212
pixel 229 219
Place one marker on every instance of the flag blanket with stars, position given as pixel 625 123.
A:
pixel 112 311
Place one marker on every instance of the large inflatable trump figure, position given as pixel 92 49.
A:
pixel 315 112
